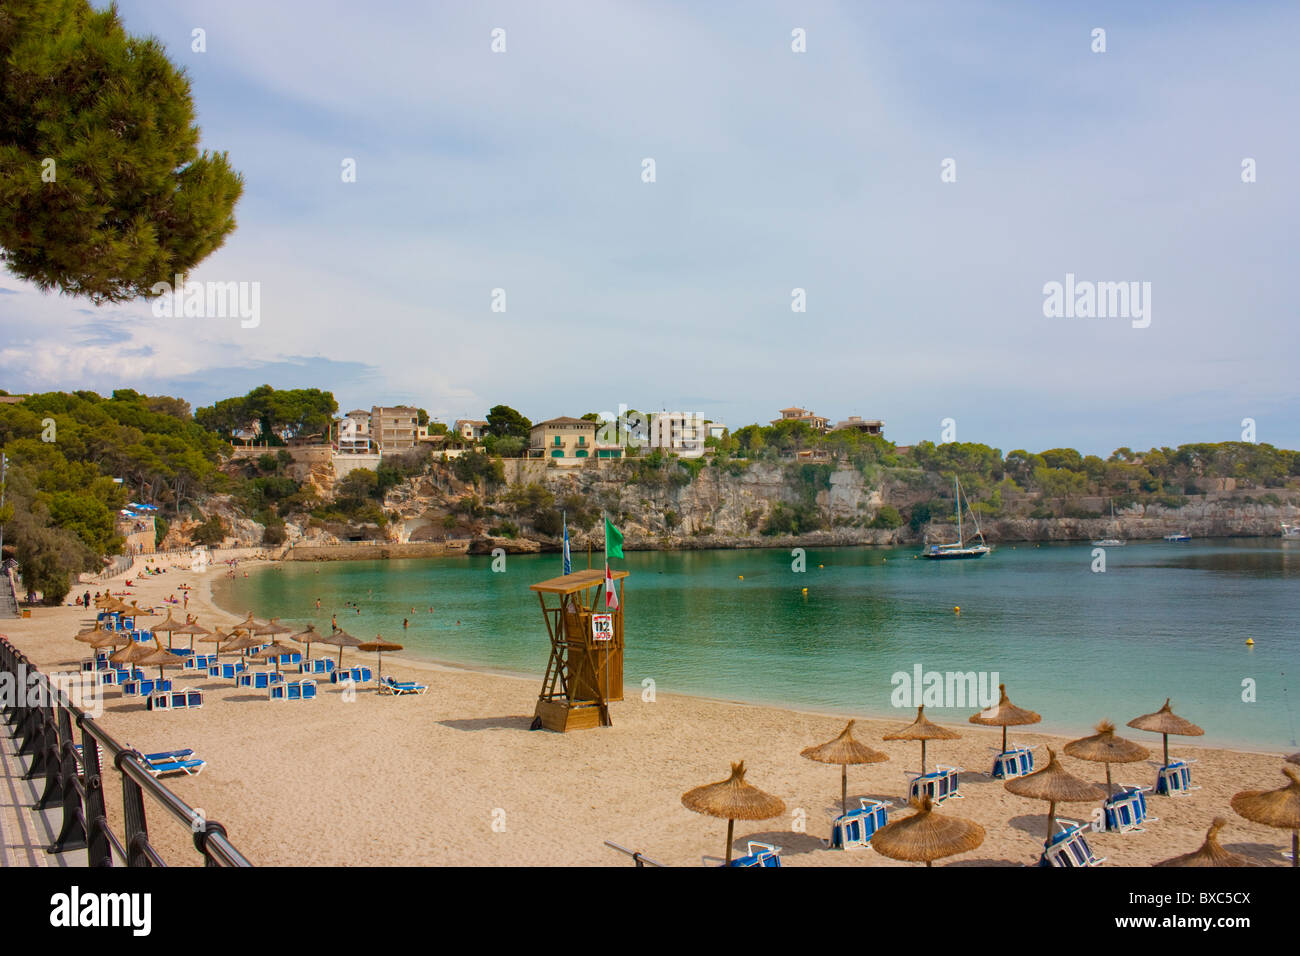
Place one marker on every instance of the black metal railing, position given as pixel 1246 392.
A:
pixel 639 858
pixel 43 717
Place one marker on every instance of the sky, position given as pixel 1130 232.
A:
pixel 774 170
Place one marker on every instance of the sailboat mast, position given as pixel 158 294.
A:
pixel 956 494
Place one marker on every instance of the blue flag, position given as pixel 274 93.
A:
pixel 568 558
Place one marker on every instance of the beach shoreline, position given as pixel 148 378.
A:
pixel 456 778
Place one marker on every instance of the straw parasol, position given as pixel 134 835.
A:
pixel 926 836
pixel 131 653
pixel 733 799
pixel 1165 722
pixel 921 729
pixel 1275 808
pixel 1004 714
pixel 306 636
pixel 1055 785
pixel 192 628
pixel 1210 853
pixel 1105 747
pixel 90 635
pixel 170 625
pixel 377 645
pixel 274 649
pixel 270 629
pixel 111 639
pixel 844 750
pixel 242 641
pixel 341 639
pixel 160 656
pixel 218 637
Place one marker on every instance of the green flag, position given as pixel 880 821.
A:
pixel 613 541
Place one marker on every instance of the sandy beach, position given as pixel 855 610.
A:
pixel 455 777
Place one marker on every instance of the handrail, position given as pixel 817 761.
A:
pixel 639 858
pixel 46 731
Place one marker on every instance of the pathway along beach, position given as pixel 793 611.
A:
pixel 455 777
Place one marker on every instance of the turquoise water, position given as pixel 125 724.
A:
pixel 1076 646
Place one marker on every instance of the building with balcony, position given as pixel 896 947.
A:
pixel 471 429
pixel 816 422
pixel 569 441
pixel 393 429
pixel 868 426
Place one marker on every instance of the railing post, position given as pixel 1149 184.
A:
pixel 137 830
pixel 98 850
pixel 72 834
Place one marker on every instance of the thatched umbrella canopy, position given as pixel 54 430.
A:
pixel 1055 785
pixel 1004 714
pixel 926 836
pixel 160 656
pixel 306 636
pixel 91 634
pixel 341 639
pixel 241 641
pixel 378 645
pixel 271 629
pixel 274 649
pixel 1275 808
pixel 131 653
pixel 1105 747
pixel 733 799
pixel 218 637
pixel 1165 722
pixel 844 750
pixel 921 729
pixel 111 639
pixel 1210 853
pixel 170 625
pixel 137 611
pixel 192 628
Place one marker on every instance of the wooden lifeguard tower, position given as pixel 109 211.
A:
pixel 585 671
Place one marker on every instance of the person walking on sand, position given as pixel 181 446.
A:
pixel 186 598
pixel 334 622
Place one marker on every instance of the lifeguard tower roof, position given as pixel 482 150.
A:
pixel 577 581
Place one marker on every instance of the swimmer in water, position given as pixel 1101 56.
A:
pixel 318 604
pixel 406 622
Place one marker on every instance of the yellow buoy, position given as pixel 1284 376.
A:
pixel 956 610
pixel 805 590
pixel 1250 642
pixel 740 576
pixel 821 565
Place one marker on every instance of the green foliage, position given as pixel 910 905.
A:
pixel 887 517
pixel 474 466
pixel 296 411
pixel 504 422
pixel 160 527
pixel 132 201
pixel 792 519
pixel 211 532
pixel 504 529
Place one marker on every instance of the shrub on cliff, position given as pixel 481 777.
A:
pixel 887 517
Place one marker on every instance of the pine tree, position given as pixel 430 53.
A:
pixel 103 190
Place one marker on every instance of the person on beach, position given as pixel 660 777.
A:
pixel 186 595
pixel 406 622
pixel 86 600
pixel 334 622
pixel 318 604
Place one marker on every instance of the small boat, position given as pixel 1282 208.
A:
pixel 959 548
pixel 1291 530
pixel 1178 536
pixel 1110 542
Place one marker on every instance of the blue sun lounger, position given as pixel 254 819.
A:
pixel 1126 810
pixel 1016 762
pixel 358 675
pixel 228 671
pixel 1068 848
pixel 319 665
pixel 179 761
pixel 175 700
pixel 400 687
pixel 855 828
pixel 119 675
pixel 760 854
pixel 100 663
pixel 939 784
pixel 1175 780
pixel 143 687
pixel 200 662
pixel 259 680
pixel 293 690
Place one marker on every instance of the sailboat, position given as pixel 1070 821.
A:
pixel 1110 542
pixel 958 549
